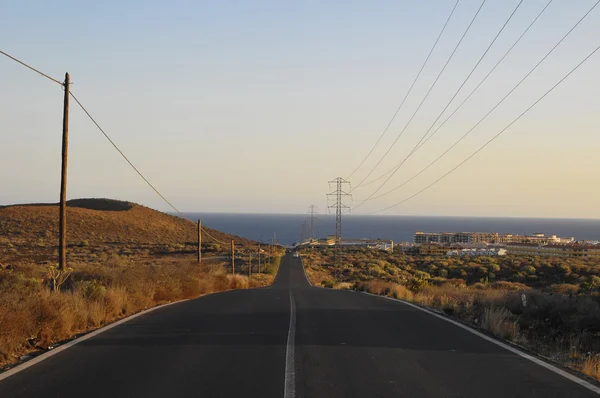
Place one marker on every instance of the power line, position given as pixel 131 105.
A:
pixel 416 147
pixel 472 92
pixel 426 95
pixel 212 237
pixel 135 168
pixel 488 74
pixel 108 138
pixel 99 128
pixel 123 155
pixel 409 90
pixel 32 68
pixel 491 110
pixel 494 137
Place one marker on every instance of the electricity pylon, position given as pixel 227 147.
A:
pixel 303 232
pixel 311 221
pixel 340 207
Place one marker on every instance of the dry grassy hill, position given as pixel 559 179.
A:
pixel 122 258
pixel 100 221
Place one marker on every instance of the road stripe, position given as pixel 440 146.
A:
pixel 514 350
pixel 290 372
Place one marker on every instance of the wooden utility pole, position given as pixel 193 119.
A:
pixel 250 265
pixel 232 257
pixel 200 242
pixel 62 229
pixel 259 259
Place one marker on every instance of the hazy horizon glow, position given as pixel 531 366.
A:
pixel 253 107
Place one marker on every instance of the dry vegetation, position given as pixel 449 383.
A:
pixel 123 258
pixel 556 314
pixel 103 225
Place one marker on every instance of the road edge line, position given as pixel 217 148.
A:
pixel 48 354
pixel 289 390
pixel 305 274
pixel 514 350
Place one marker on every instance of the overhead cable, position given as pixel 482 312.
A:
pixel 494 137
pixel 408 92
pixel 471 93
pixel 492 109
pixel 32 68
pixel 426 95
pixel 123 155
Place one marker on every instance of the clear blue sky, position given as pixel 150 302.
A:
pixel 243 106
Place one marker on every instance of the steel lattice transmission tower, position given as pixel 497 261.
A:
pixel 312 219
pixel 336 196
pixel 303 232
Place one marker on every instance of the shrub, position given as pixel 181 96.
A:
pixel 237 282
pixel 500 322
pixel 328 283
pixel 115 261
pixel 32 316
pixel 591 366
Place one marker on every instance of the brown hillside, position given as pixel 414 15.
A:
pixel 100 221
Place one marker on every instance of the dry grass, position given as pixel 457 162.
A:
pixel 343 286
pixel 94 222
pixel 470 304
pixel 591 366
pixel 125 258
pixel 500 322
pixel 33 317
pixel 558 320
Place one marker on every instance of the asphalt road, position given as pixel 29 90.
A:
pixel 290 339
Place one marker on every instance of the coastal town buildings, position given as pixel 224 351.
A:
pixel 329 241
pixel 487 237
pixel 554 250
pixel 495 244
pixel 457 249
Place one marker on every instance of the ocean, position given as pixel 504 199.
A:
pixel 287 227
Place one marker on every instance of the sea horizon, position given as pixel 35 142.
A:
pixel 287 227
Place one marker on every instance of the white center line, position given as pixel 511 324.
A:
pixel 290 372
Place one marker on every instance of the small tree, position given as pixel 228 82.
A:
pixel 57 277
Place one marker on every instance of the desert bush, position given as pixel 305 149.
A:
pixel 117 302
pixel 114 261
pixel 500 322
pixel 32 316
pixel 591 366
pixel 564 288
pixel 237 282
pixel 328 283
pixel 550 305
pixel 400 292
pixel 505 285
pixel 343 286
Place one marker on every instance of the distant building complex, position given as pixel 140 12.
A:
pixel 457 249
pixel 494 244
pixel 570 250
pixel 487 237
pixel 329 241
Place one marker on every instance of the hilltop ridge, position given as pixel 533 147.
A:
pixel 100 221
